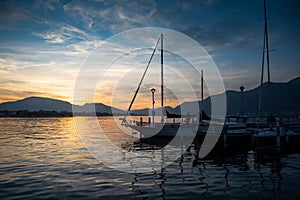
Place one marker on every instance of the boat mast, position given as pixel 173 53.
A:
pixel 267 40
pixel 262 76
pixel 141 81
pixel 202 106
pixel 265 50
pixel 162 78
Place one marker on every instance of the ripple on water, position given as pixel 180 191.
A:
pixel 45 158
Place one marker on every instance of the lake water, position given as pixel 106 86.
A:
pixel 46 158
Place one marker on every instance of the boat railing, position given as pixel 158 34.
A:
pixel 263 122
pixel 184 122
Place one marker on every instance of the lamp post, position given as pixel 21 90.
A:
pixel 242 103
pixel 153 102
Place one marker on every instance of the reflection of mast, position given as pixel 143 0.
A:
pixel 162 78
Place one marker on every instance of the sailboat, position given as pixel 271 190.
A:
pixel 270 135
pixel 162 129
pixel 234 130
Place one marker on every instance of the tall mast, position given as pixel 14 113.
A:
pixel 267 39
pixel 141 81
pixel 265 50
pixel 202 106
pixel 262 75
pixel 162 78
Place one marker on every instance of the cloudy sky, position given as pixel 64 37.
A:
pixel 44 43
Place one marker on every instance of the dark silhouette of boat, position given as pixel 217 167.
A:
pixel 273 133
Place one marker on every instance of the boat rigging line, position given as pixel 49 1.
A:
pixel 141 81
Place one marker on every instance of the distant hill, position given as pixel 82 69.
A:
pixel 279 98
pixel 283 99
pixel 47 104
pixel 36 104
pixel 145 111
pixel 99 107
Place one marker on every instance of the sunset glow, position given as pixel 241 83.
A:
pixel 43 45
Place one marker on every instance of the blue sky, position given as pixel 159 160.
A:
pixel 43 43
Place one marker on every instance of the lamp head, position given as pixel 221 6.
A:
pixel 242 88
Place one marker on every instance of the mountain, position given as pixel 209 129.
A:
pixel 99 107
pixel 146 111
pixel 36 104
pixel 47 104
pixel 283 99
pixel 280 99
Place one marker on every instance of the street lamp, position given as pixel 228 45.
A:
pixel 242 94
pixel 153 102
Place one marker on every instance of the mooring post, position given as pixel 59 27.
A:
pixel 225 136
pixel 278 134
pixel 253 138
pixel 287 140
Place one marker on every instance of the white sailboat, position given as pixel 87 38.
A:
pixel 163 129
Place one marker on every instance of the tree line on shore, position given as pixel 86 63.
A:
pixel 45 113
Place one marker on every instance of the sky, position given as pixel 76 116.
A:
pixel 43 44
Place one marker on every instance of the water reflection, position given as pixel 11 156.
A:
pixel 45 158
pixel 235 175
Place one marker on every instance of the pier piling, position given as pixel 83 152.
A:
pixel 278 134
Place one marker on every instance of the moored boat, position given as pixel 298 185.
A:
pixel 235 134
pixel 268 135
pixel 162 129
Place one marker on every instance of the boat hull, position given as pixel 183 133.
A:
pixel 268 139
pixel 167 130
